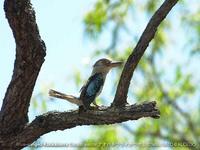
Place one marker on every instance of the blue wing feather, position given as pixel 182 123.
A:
pixel 91 89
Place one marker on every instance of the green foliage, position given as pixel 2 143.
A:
pixel 103 138
pixel 103 13
pixel 39 101
pixel 77 78
pixel 96 19
pixel 151 6
pixel 192 24
pixel 172 87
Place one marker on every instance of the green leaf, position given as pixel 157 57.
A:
pixel 35 104
pixel 178 74
pixel 44 105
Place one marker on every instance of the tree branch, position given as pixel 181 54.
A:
pixel 134 58
pixel 30 53
pixel 53 121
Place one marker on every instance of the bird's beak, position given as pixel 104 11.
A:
pixel 115 64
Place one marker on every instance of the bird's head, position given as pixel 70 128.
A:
pixel 104 65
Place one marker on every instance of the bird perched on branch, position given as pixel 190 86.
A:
pixel 93 86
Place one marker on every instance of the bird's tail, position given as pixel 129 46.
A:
pixel 69 98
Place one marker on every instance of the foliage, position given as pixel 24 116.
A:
pixel 164 74
pixel 107 138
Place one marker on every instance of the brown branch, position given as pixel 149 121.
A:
pixel 53 121
pixel 30 53
pixel 134 58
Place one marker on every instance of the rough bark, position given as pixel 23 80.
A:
pixel 30 53
pixel 53 121
pixel 15 131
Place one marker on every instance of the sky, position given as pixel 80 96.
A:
pixel 61 27
pixel 62 31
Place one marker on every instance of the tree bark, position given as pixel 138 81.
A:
pixel 15 131
pixel 30 53
pixel 53 121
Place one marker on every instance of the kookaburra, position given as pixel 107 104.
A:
pixel 94 84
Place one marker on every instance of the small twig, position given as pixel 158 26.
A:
pixel 69 98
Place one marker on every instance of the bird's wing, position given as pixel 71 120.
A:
pixel 82 88
pixel 91 89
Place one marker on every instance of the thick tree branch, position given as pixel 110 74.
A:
pixel 134 58
pixel 53 121
pixel 30 53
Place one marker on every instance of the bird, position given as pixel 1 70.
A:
pixel 94 85
pixel 92 88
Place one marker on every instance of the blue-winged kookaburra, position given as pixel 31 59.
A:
pixel 94 84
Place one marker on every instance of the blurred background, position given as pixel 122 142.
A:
pixel 77 33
